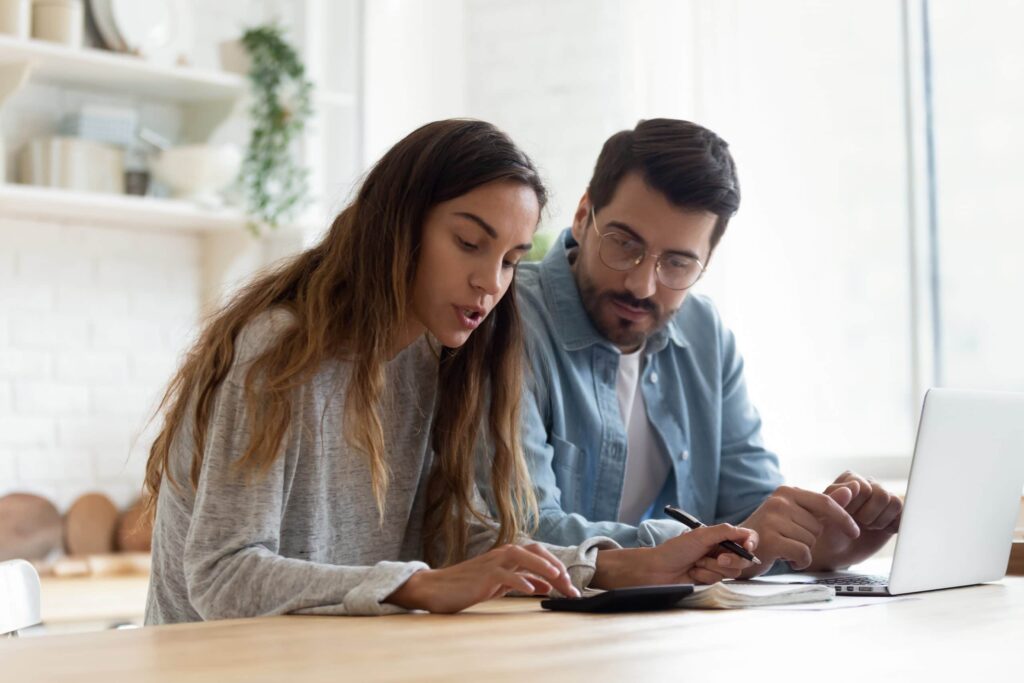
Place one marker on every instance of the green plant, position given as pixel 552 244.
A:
pixel 274 185
pixel 542 242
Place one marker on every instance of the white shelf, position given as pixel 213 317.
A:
pixel 110 210
pixel 85 67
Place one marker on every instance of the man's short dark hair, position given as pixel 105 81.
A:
pixel 686 162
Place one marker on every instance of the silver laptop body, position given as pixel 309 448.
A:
pixel 963 497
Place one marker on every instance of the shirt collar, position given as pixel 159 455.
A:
pixel 573 326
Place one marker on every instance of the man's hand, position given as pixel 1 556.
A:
pixel 691 557
pixel 876 512
pixel 790 522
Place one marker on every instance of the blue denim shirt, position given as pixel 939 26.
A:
pixel 573 435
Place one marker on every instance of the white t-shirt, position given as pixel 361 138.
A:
pixel 646 466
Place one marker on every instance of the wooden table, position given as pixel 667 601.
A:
pixel 973 634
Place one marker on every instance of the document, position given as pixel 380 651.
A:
pixel 729 595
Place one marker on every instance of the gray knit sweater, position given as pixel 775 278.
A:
pixel 306 537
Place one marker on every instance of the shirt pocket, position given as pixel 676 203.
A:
pixel 567 463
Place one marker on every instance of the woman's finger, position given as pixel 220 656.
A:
pixel 515 557
pixel 539 549
pixel 542 586
pixel 516 581
pixel 522 558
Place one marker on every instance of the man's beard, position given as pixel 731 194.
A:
pixel 620 331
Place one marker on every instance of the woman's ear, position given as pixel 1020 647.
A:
pixel 580 218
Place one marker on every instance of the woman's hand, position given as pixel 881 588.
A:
pixel 530 569
pixel 692 557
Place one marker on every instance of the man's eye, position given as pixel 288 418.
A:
pixel 680 263
pixel 628 245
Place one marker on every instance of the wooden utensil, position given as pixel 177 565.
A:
pixel 30 527
pixel 90 525
pixel 134 531
pixel 1016 565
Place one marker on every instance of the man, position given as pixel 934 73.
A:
pixel 637 397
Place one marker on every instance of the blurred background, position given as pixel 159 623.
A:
pixel 876 253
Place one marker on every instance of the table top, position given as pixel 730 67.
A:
pixel 974 632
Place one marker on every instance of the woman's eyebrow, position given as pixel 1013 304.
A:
pixel 479 221
pixel 488 229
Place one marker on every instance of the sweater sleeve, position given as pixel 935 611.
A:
pixel 231 561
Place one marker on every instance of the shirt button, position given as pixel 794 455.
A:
pixel 654 377
pixel 685 455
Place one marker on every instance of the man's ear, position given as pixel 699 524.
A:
pixel 580 218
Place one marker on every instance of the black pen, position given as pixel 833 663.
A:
pixel 694 523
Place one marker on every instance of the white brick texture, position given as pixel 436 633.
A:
pixel 94 320
pixel 92 323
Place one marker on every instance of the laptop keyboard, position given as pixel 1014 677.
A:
pixel 864 580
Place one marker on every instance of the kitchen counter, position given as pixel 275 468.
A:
pixel 93 603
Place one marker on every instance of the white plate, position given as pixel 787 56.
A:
pixel 147 28
pixel 105 24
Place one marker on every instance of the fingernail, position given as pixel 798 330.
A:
pixel 575 592
pixel 724 560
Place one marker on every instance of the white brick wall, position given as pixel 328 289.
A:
pixel 93 320
pixel 92 323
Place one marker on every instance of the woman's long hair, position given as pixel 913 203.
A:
pixel 349 297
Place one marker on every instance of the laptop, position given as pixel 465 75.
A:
pixel 962 501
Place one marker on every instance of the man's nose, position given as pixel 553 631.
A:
pixel 642 281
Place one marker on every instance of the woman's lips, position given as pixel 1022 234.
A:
pixel 469 318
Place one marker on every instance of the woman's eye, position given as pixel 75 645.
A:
pixel 509 264
pixel 468 246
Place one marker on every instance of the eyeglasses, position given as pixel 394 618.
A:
pixel 620 251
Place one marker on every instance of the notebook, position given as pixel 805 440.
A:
pixel 732 595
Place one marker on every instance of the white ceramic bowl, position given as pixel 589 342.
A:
pixel 197 172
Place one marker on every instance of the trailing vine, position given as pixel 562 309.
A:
pixel 274 185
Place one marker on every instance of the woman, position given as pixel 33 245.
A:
pixel 296 468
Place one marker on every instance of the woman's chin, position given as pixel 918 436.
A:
pixel 451 339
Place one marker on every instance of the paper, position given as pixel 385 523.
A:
pixel 729 595
pixel 841 602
